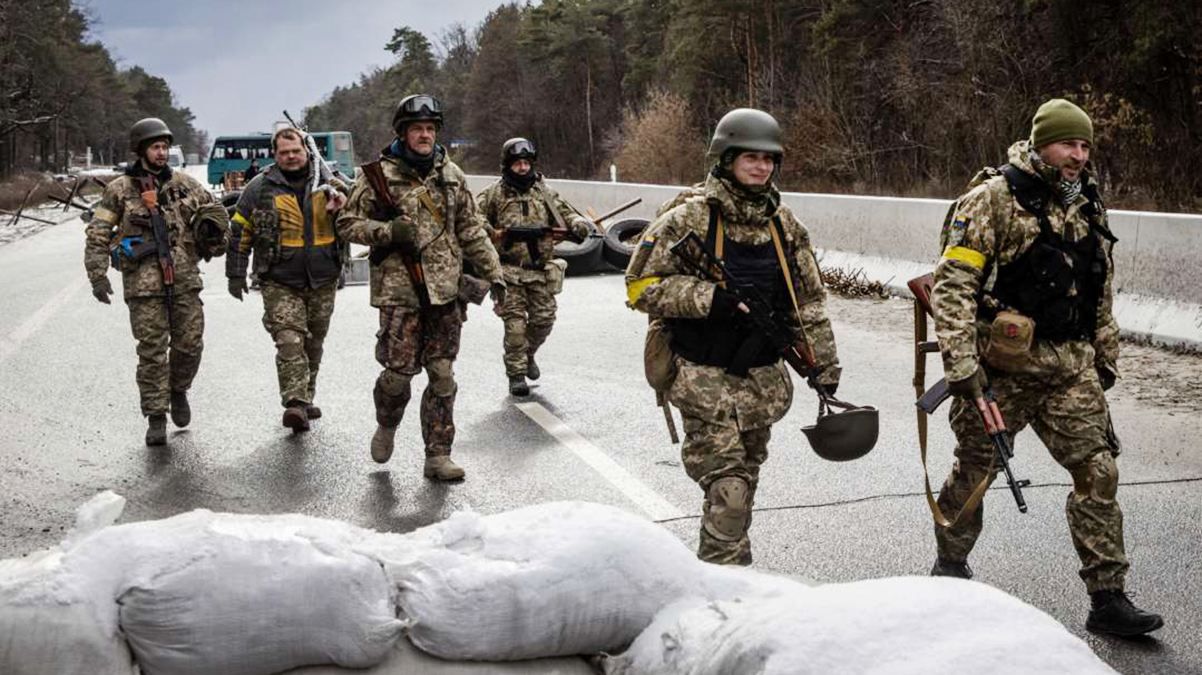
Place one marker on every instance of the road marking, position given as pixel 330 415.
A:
pixel 655 506
pixel 9 345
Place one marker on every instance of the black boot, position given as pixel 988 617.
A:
pixel 295 417
pixel 947 568
pixel 518 386
pixel 312 412
pixel 156 429
pixel 532 370
pixel 1111 612
pixel 181 412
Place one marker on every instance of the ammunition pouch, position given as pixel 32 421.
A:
pixel 1010 338
pixel 472 289
pixel 266 245
pixel 659 362
pixel 556 269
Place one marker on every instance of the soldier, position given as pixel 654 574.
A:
pixel 154 224
pixel 413 208
pixel 1031 244
pixel 297 256
pixel 524 218
pixel 728 418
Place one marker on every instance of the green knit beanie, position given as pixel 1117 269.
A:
pixel 1059 120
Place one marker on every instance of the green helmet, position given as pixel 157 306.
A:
pixel 417 108
pixel 844 436
pixel 746 129
pixel 515 149
pixel 147 130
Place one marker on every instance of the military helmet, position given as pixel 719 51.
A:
pixel 147 130
pixel 746 129
pixel 843 436
pixel 417 108
pixel 515 149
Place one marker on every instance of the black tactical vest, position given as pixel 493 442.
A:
pixel 1058 282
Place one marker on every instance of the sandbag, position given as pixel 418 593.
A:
pixel 546 580
pixel 905 625
pixel 51 619
pixel 248 595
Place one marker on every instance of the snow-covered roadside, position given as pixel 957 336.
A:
pixel 25 227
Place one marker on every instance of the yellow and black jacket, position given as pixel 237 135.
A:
pixel 289 231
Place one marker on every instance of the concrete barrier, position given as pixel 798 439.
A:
pixel 1158 260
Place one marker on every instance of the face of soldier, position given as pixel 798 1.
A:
pixel 1069 156
pixel 753 168
pixel 290 154
pixel 521 167
pixel 419 136
pixel 155 155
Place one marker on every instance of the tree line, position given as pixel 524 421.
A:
pixel 875 96
pixel 61 92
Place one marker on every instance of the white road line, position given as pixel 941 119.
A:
pixel 10 344
pixel 655 506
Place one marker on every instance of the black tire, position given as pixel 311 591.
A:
pixel 582 258
pixel 620 240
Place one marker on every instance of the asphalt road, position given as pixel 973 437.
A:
pixel 70 427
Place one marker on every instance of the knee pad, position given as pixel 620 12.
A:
pixel 729 508
pixel 393 383
pixel 289 344
pixel 442 377
pixel 1097 478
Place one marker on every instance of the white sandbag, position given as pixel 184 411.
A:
pixel 52 620
pixel 547 580
pixel 243 595
pixel 899 626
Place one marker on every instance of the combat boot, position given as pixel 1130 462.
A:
pixel 181 412
pixel 156 429
pixel 518 386
pixel 1111 611
pixel 440 467
pixel 295 418
pixel 947 568
pixel 382 443
pixel 312 412
pixel 532 371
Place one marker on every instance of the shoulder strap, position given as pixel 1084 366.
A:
pixel 715 233
pixel 554 212
pixel 379 185
pixel 1031 194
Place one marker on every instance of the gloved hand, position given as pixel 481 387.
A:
pixel 497 293
pixel 725 305
pixel 1106 377
pixel 237 286
pixel 403 235
pixel 102 289
pixel 970 388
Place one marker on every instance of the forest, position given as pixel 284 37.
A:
pixel 897 97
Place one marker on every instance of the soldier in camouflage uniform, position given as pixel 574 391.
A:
pixel 297 256
pixel 165 314
pixel 421 232
pixel 522 214
pixel 996 249
pixel 728 418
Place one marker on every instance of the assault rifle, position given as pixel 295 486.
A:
pixel 929 402
pixel 162 242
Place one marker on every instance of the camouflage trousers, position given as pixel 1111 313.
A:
pixel 298 319
pixel 408 340
pixel 712 452
pixel 1070 416
pixel 529 315
pixel 168 352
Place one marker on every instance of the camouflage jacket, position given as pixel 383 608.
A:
pixel 444 238
pixel 989 230
pixel 657 283
pixel 289 231
pixel 121 213
pixel 502 207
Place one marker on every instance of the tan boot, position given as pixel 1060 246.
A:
pixel 440 467
pixel 382 443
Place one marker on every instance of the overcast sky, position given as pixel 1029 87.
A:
pixel 237 63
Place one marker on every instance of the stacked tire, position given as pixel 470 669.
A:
pixel 620 240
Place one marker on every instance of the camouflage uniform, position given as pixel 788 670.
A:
pixel 168 353
pixel 446 231
pixel 727 419
pixel 529 309
pixel 1057 390
pixel 297 257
